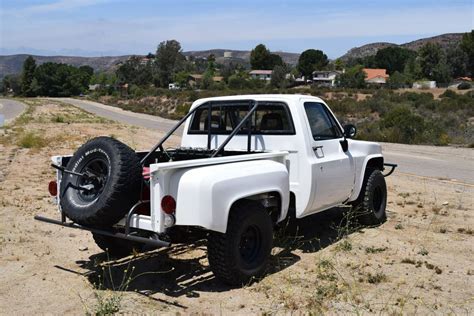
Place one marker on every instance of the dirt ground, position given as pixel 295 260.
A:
pixel 418 262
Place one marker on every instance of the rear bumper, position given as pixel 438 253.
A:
pixel 110 233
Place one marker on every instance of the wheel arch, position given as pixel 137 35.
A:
pixel 370 162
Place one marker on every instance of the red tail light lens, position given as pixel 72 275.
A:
pixel 53 188
pixel 168 204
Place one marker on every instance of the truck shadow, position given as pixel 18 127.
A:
pixel 182 270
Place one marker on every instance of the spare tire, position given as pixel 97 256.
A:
pixel 109 189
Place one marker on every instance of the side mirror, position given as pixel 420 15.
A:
pixel 350 131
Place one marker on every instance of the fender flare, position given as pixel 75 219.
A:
pixel 376 160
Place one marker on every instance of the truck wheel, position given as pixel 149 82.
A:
pixel 242 253
pixel 111 187
pixel 372 201
pixel 116 247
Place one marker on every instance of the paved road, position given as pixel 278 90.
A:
pixel 10 109
pixel 117 114
pixel 446 163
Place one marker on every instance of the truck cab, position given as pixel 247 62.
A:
pixel 324 164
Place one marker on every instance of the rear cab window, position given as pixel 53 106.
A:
pixel 270 118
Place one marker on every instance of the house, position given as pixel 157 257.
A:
pixel 194 79
pixel 325 78
pixel 261 74
pixel 375 76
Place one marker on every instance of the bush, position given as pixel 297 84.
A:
pixel 31 140
pixel 464 86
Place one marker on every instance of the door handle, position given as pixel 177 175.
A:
pixel 317 147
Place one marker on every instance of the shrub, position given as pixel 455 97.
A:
pixel 31 140
pixel 464 86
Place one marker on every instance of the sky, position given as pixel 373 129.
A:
pixel 119 27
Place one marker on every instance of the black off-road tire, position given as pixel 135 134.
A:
pixel 116 247
pixel 236 257
pixel 115 191
pixel 372 201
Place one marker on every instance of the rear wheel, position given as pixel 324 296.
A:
pixel 242 253
pixel 371 204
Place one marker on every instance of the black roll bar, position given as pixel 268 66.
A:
pixel 170 132
pixel 237 129
pixel 252 109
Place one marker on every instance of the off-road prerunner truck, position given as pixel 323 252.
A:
pixel 244 164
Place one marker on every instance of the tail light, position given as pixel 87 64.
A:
pixel 168 204
pixel 53 188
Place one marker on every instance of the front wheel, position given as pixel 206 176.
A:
pixel 242 253
pixel 372 201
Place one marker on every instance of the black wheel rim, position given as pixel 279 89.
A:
pixel 250 244
pixel 92 185
pixel 377 199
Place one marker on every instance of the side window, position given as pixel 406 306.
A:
pixel 323 125
pixel 269 118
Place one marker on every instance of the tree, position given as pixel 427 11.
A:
pixel 12 83
pixel 262 58
pixel 311 60
pixel 53 79
pixel 135 71
pixel 353 78
pixel 398 80
pixel 279 77
pixel 181 78
pixel 433 63
pixel 392 58
pixel 467 45
pixel 457 62
pixel 169 60
pixel 27 76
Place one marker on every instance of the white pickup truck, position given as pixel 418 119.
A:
pixel 245 163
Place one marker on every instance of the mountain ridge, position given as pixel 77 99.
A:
pixel 12 64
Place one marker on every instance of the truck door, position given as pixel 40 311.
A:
pixel 332 168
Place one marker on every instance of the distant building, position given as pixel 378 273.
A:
pixel 261 74
pixel 325 77
pixel 375 76
pixel 93 87
pixel 194 79
pixel 424 85
pixel 227 54
pixel 173 86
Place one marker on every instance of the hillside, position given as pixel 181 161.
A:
pixel 445 40
pixel 242 55
pixel 12 64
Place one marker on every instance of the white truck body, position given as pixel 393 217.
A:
pixel 318 172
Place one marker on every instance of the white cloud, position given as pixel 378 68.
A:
pixel 60 5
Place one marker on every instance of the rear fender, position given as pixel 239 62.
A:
pixel 205 195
